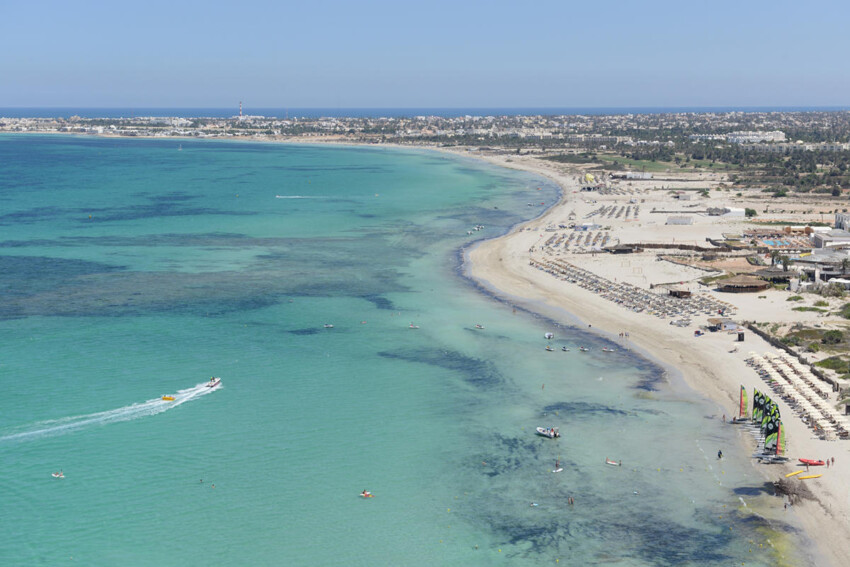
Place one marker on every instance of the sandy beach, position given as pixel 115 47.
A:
pixel 714 365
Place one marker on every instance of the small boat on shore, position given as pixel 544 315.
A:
pixel 168 398
pixel 214 381
pixel 812 462
pixel 794 473
pixel 810 476
pixel 550 432
pixel 613 463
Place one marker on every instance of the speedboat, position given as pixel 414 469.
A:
pixel 565 349
pixel 612 463
pixel 479 326
pixel 367 494
pixel 582 349
pixel 412 326
pixel 328 326
pixel 550 432
pixel 168 398
pixel 548 335
pixel 548 348
pixel 213 382
pixel 57 475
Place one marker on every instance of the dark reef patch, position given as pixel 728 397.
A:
pixel 476 372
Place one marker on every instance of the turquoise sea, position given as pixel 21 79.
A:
pixel 130 269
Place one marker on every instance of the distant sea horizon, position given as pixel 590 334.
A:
pixel 400 112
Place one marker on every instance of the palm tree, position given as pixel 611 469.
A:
pixel 845 263
pixel 774 256
pixel 786 261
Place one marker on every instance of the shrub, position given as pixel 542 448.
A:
pixel 798 298
pixel 845 311
pixel 834 363
pixel 821 303
pixel 832 337
pixel 813 347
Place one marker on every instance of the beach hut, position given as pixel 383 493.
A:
pixel 742 284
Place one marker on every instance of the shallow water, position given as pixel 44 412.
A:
pixel 130 269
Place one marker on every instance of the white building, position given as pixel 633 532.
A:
pixel 751 137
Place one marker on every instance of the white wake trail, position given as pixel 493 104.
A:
pixel 143 409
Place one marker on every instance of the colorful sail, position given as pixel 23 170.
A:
pixel 742 404
pixel 780 441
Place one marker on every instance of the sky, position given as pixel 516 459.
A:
pixel 435 54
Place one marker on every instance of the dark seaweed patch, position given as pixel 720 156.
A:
pixel 584 408
pixel 304 331
pixel 477 372
pixel 380 302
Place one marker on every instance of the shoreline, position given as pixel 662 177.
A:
pixel 499 267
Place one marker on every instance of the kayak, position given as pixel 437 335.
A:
pixel 812 462
pixel 810 476
pixel 793 473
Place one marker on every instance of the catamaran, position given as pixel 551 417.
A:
pixel 742 416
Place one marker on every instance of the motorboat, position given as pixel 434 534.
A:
pixel 548 335
pixel 550 432
pixel 367 494
pixel 328 326
pixel 59 474
pixel 213 382
pixel 583 349
pixel 565 349
pixel 479 326
pixel 550 349
pixel 412 326
pixel 168 398
pixel 613 463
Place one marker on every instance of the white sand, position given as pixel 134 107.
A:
pixel 706 363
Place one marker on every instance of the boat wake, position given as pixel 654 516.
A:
pixel 65 425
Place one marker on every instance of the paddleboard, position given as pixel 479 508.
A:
pixel 810 476
pixel 557 470
pixel 793 473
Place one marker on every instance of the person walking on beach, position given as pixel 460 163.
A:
pixel 719 454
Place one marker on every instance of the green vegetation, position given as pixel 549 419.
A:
pixel 796 298
pixel 832 337
pixel 750 213
pixel 821 303
pixel 835 363
pixel 806 308
pixel 813 347
pixel 845 311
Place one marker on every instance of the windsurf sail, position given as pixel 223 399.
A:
pixel 742 405
pixel 780 441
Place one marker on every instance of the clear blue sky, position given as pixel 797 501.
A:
pixel 314 53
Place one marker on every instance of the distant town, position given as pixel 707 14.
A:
pixel 780 151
